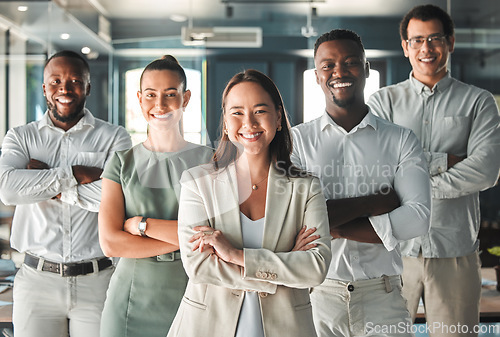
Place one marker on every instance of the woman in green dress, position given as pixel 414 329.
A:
pixel 138 213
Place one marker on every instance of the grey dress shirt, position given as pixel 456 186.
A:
pixel 451 118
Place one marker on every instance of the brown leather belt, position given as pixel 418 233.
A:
pixel 67 269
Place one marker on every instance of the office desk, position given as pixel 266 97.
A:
pixel 490 300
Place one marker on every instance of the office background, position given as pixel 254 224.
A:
pixel 214 39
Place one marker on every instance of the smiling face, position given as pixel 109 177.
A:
pixel 430 61
pixel 341 71
pixel 251 118
pixel 162 99
pixel 65 86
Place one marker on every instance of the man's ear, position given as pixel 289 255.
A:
pixel 87 90
pixel 404 45
pixel 451 44
pixel 367 69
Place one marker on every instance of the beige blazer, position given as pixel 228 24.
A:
pixel 215 291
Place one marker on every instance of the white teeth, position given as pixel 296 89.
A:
pixel 162 116
pixel 428 59
pixel 64 100
pixel 250 135
pixel 342 85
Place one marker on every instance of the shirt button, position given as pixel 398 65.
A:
pixel 426 122
pixel 350 287
pixel 263 294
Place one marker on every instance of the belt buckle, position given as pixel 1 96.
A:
pixel 167 257
pixel 65 268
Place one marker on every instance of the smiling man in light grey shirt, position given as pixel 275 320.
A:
pixel 458 127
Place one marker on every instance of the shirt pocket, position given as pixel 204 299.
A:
pixel 452 134
pixel 95 159
pixel 452 122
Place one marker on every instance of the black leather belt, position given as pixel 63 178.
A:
pixel 67 269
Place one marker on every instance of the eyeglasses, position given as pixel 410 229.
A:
pixel 432 40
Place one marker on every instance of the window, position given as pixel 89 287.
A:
pixel 314 99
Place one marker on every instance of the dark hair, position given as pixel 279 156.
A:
pixel 426 13
pixel 339 34
pixel 167 62
pixel 280 148
pixel 73 55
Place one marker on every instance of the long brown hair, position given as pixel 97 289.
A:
pixel 280 148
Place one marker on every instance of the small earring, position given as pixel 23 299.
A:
pixel 279 128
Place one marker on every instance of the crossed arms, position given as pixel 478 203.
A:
pixel 348 218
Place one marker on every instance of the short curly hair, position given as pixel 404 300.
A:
pixel 339 34
pixel 426 13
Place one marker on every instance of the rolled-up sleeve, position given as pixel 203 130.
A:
pixel 88 196
pixel 19 185
pixel 480 169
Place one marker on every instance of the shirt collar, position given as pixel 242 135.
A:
pixel 368 120
pixel 87 119
pixel 440 86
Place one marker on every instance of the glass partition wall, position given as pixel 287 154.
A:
pixel 31 31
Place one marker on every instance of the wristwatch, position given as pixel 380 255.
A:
pixel 142 226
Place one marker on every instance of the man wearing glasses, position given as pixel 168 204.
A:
pixel 458 126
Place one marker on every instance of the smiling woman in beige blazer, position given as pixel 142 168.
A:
pixel 253 230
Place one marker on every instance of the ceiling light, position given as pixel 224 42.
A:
pixel 22 8
pixel 86 50
pixel 178 18
pixel 64 36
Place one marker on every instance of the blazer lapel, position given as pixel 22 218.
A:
pixel 225 199
pixel 279 194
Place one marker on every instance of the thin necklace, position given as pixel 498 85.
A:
pixel 255 187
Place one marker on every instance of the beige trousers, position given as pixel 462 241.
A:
pixel 362 308
pixel 49 305
pixel 451 292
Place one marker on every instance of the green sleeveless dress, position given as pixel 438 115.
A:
pixel 144 294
